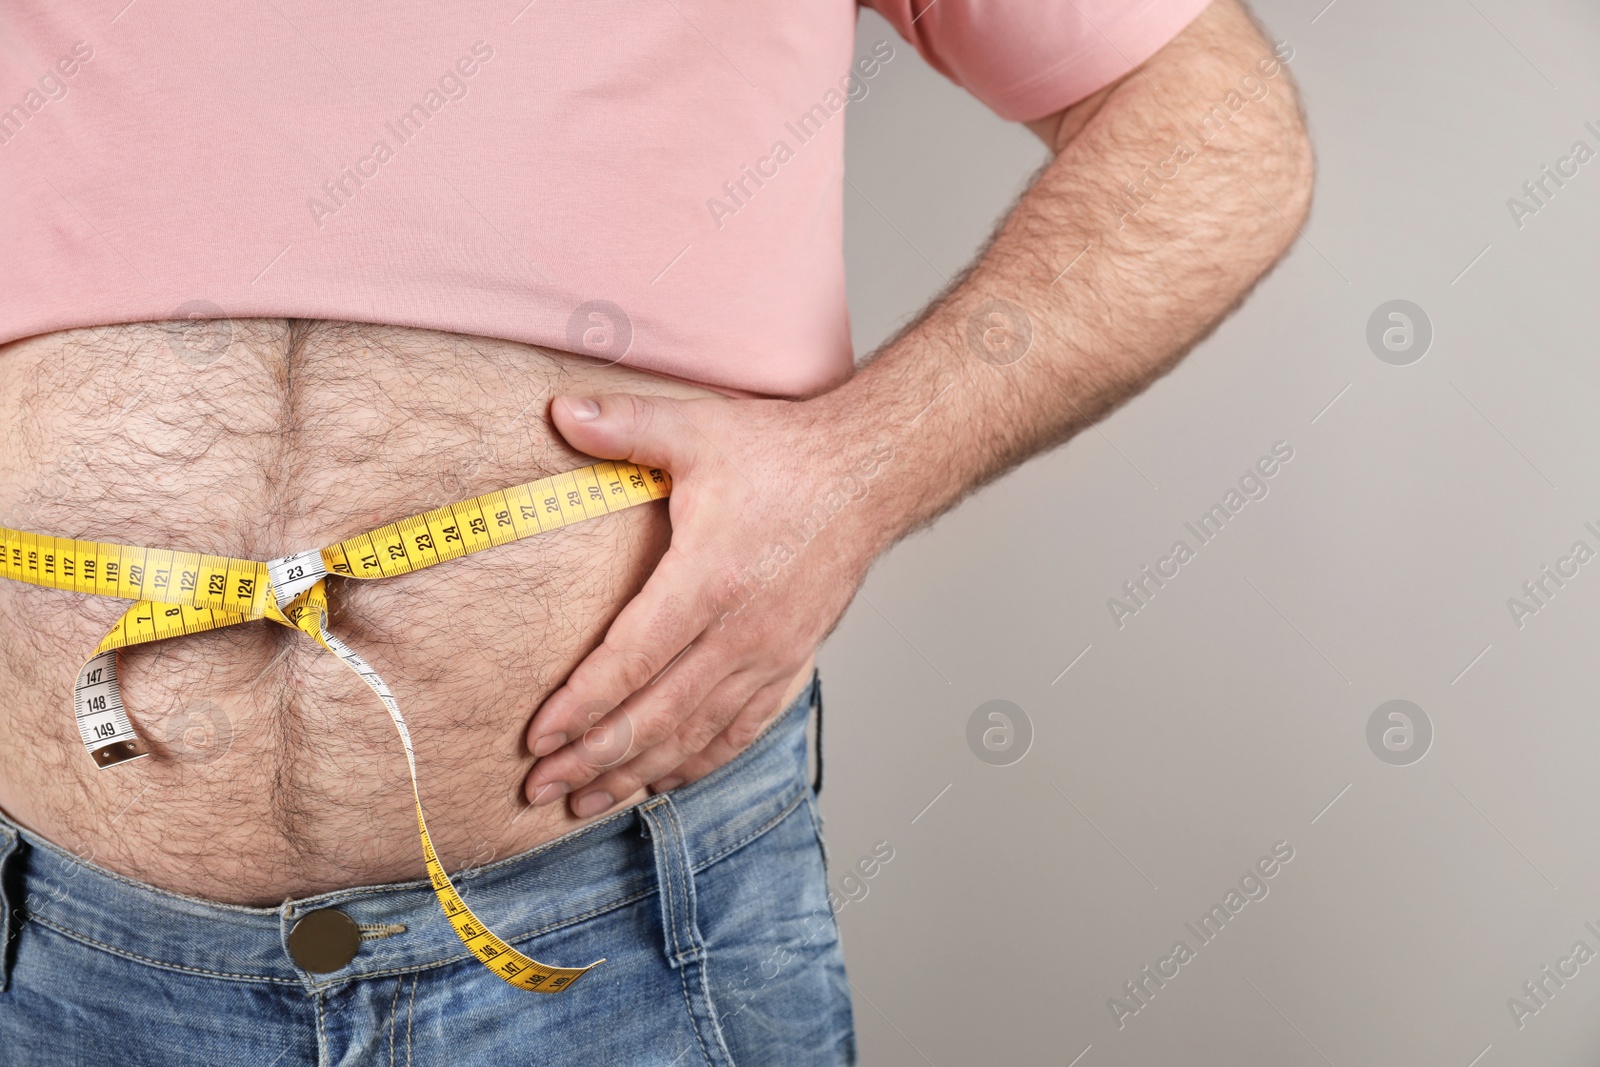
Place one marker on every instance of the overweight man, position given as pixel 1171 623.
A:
pixel 468 391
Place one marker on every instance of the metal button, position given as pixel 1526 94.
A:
pixel 324 940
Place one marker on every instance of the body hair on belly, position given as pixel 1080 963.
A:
pixel 293 435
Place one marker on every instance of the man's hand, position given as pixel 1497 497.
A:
pixel 771 532
pixel 1171 192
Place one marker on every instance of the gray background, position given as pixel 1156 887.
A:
pixel 1228 713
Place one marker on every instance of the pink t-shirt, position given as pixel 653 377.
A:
pixel 657 182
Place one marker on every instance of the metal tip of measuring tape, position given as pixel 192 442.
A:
pixel 583 972
pixel 120 752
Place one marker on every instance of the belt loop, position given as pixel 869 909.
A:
pixel 675 879
pixel 816 702
pixel 10 881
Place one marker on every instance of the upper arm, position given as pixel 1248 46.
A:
pixel 1223 33
pixel 1057 129
pixel 1025 59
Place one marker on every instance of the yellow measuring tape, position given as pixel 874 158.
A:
pixel 182 593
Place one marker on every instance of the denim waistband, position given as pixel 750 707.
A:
pixel 592 870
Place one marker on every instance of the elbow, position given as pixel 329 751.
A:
pixel 1299 161
pixel 1289 172
pixel 1283 170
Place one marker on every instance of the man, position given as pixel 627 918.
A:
pixel 405 257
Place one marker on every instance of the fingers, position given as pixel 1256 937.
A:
pixel 737 736
pixel 692 736
pixel 648 430
pixel 644 639
pixel 645 720
pixel 608 741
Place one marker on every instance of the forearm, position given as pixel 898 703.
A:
pixel 1116 282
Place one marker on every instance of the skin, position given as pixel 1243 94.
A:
pixel 273 771
pixel 1116 290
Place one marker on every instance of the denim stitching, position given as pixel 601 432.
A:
pixel 666 876
pixel 322 1036
pixel 768 826
pixel 669 899
pixel 411 1004
pixel 394 1017
pixel 669 891
pixel 695 959
pixel 411 969
pixel 712 1012
pixel 379 931
pixel 694 1024
pixel 162 964
pixel 435 964
pixel 691 923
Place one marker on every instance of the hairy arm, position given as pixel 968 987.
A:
pixel 1170 193
pixel 1116 270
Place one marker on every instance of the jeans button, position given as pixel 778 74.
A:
pixel 324 940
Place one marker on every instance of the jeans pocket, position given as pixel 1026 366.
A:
pixel 776 963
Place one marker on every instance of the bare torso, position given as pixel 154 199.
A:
pixel 275 772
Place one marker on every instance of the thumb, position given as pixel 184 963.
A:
pixel 646 430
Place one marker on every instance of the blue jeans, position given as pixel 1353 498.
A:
pixel 709 904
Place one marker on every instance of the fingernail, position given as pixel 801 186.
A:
pixel 550 792
pixel 583 409
pixel 668 783
pixel 548 744
pixel 592 804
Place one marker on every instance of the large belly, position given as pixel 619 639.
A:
pixel 275 771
